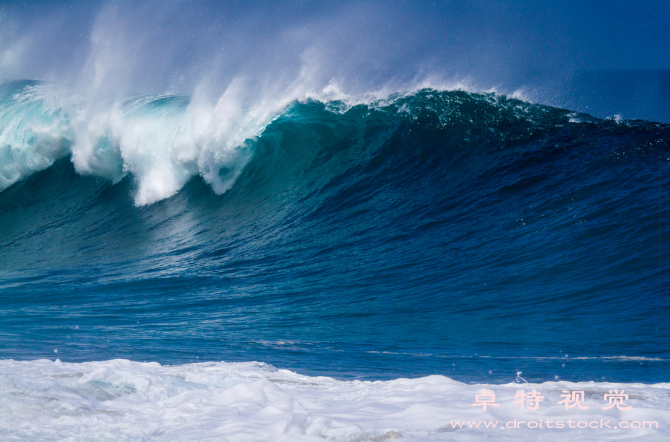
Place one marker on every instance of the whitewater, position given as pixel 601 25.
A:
pixel 49 400
pixel 162 140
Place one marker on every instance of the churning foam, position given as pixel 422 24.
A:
pixel 162 140
pixel 124 400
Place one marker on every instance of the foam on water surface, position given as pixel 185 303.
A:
pixel 125 400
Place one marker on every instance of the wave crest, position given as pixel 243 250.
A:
pixel 165 140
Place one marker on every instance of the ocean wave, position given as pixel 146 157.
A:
pixel 502 227
pixel 163 141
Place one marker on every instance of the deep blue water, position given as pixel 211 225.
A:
pixel 469 235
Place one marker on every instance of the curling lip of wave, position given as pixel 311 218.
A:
pixel 163 141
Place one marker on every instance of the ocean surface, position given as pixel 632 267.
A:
pixel 459 235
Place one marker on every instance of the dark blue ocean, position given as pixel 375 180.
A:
pixel 471 235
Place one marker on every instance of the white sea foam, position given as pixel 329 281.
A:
pixel 162 140
pixel 163 146
pixel 124 400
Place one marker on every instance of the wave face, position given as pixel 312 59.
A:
pixel 466 234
